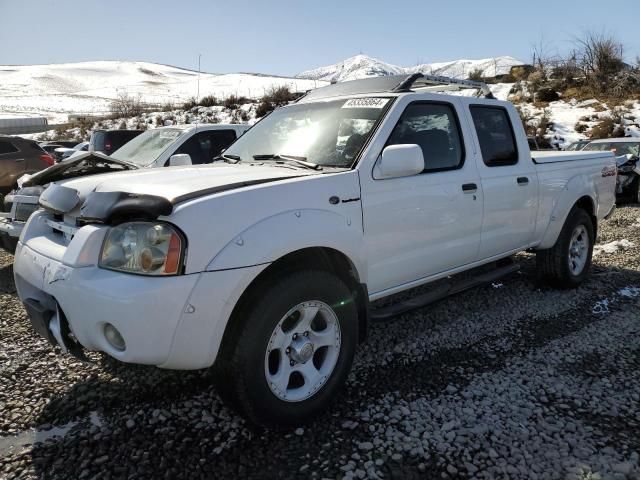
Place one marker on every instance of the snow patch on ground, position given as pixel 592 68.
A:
pixel 630 292
pixel 613 247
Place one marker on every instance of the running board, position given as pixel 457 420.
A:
pixel 441 292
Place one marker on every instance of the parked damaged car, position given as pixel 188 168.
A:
pixel 161 147
pixel 627 152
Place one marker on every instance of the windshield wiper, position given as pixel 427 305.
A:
pixel 228 158
pixel 289 158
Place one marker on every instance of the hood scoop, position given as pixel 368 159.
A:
pixel 115 207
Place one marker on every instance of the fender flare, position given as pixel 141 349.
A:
pixel 576 188
pixel 270 239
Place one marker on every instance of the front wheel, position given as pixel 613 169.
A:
pixel 291 349
pixel 567 263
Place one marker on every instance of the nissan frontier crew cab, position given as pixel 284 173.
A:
pixel 264 265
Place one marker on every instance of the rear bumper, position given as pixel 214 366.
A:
pixel 171 322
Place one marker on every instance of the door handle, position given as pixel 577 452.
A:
pixel 523 181
pixel 18 160
pixel 469 187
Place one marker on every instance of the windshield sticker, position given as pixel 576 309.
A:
pixel 365 102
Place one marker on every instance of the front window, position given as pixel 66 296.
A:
pixel 330 133
pixel 144 149
pixel 618 148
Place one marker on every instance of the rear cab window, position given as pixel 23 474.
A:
pixel 495 135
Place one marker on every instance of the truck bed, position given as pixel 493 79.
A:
pixel 555 157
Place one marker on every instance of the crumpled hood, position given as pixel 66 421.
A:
pixel 88 163
pixel 177 184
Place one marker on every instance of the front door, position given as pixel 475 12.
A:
pixel 425 224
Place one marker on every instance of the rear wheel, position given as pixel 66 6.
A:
pixel 291 348
pixel 567 263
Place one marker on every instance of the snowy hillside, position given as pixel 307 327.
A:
pixel 362 66
pixel 88 87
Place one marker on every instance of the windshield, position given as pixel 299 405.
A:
pixel 145 149
pixel 325 133
pixel 618 148
pixel 576 146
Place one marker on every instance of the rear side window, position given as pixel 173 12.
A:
pixel 7 147
pixel 36 147
pixel 434 128
pixel 495 134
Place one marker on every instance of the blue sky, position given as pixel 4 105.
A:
pixel 285 36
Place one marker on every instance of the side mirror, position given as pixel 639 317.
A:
pixel 399 161
pixel 179 159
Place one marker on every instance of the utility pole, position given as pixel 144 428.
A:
pixel 198 94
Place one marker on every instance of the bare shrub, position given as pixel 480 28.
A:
pixel 263 108
pixel 125 105
pixel 476 75
pixel 279 96
pixel 275 97
pixel 581 127
pixel 600 57
pixel 546 94
pixel 233 102
pixel 611 126
pixel 189 104
pixel 209 101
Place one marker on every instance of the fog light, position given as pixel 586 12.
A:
pixel 113 337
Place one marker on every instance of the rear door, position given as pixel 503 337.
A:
pixel 509 181
pixel 429 223
pixel 12 164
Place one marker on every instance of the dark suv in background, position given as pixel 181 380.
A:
pixel 19 156
pixel 108 141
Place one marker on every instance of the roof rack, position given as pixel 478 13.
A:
pixel 439 83
pixel 396 84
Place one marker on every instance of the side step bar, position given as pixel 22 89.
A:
pixel 441 292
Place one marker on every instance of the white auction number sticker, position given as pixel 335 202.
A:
pixel 368 102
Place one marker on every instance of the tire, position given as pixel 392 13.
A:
pixel 560 267
pixel 635 191
pixel 8 243
pixel 254 357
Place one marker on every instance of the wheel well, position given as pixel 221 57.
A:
pixel 318 258
pixel 586 204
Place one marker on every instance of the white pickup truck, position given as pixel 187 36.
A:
pixel 266 264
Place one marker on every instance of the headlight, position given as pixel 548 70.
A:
pixel 24 211
pixel 144 248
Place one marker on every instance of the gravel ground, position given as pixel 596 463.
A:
pixel 511 380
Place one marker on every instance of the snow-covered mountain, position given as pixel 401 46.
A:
pixel 362 66
pixel 88 87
